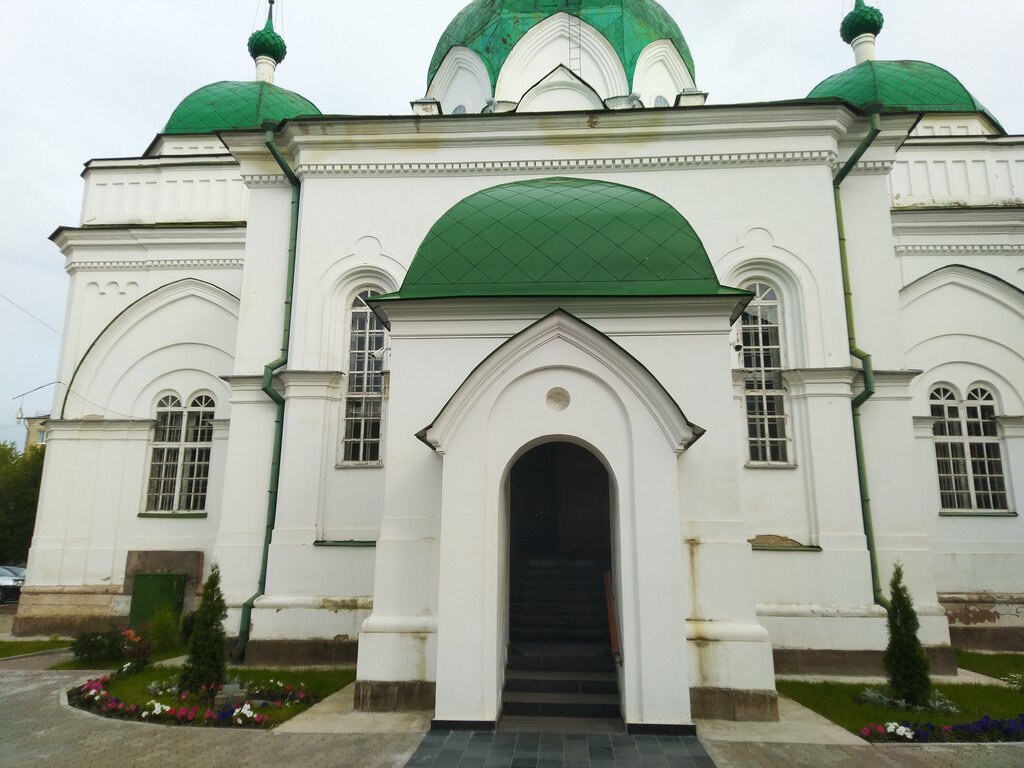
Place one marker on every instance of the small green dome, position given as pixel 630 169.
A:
pixel 561 237
pixel 492 28
pixel 266 42
pixel 230 105
pixel 862 20
pixel 899 86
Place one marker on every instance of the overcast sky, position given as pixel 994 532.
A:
pixel 83 79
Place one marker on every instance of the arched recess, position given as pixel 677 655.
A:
pixel 808 332
pixel 546 46
pixel 180 336
pixel 962 326
pixel 546 384
pixel 660 71
pixel 321 346
pixel 560 90
pixel 462 80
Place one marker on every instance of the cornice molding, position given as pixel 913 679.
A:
pixel 873 167
pixel 151 264
pixel 485 167
pixel 265 180
pixel 987 248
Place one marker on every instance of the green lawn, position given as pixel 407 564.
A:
pixel 18 647
pixel 997 665
pixel 837 702
pixel 171 653
pixel 320 683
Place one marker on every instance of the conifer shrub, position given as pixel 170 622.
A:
pixel 205 668
pixel 905 662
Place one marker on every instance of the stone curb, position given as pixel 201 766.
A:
pixel 51 652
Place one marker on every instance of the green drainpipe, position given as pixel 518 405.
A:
pixel 865 359
pixel 268 387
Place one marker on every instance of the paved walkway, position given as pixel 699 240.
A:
pixel 463 749
pixel 37 730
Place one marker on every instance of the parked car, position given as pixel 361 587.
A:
pixel 12 579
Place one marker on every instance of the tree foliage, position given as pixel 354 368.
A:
pixel 206 654
pixel 20 476
pixel 905 660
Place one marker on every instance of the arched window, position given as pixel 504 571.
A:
pixel 760 356
pixel 968 451
pixel 364 401
pixel 179 466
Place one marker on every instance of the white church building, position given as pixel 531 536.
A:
pixel 565 379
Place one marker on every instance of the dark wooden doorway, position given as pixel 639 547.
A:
pixel 558 503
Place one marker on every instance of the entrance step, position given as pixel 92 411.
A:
pixel 547 607
pixel 596 725
pixel 560 657
pixel 534 681
pixel 559 634
pixel 561 704
pixel 549 618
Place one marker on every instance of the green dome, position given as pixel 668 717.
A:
pixel 266 42
pixel 899 86
pixel 862 20
pixel 230 105
pixel 492 28
pixel 561 237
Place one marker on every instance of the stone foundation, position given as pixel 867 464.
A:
pixel 813 661
pixel 302 653
pixel 405 696
pixel 69 610
pixel 985 621
pixel 732 704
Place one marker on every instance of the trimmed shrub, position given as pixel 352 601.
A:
pixel 206 658
pixel 99 647
pixel 188 623
pixel 905 660
pixel 162 630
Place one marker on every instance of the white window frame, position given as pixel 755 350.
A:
pixel 969 452
pixel 366 384
pixel 180 452
pixel 764 364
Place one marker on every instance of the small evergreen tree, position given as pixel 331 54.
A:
pixel 206 657
pixel 905 660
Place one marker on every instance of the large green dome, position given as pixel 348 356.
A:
pixel 230 105
pixel 899 86
pixel 561 237
pixel 492 28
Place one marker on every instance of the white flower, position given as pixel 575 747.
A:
pixel 239 721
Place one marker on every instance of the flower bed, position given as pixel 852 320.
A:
pixel 986 729
pixel 266 699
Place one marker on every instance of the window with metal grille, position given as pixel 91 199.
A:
pixel 364 399
pixel 760 356
pixel 968 451
pixel 179 466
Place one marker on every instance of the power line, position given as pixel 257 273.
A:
pixel 18 306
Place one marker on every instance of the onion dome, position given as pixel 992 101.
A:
pixel 492 28
pixel 862 20
pixel 232 105
pixel 560 237
pixel 900 86
pixel 266 42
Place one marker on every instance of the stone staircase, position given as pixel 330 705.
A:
pixel 560 660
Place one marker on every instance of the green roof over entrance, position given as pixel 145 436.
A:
pixel 492 28
pixel 561 237
pixel 230 105
pixel 900 86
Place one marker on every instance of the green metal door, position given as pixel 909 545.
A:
pixel 153 591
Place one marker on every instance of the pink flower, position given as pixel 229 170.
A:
pixel 191 716
pixel 208 714
pixel 865 732
pixel 947 728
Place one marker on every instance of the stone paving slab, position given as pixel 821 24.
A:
pixel 478 749
pixel 756 755
pixel 35 730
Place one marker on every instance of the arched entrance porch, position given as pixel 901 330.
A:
pixel 561 653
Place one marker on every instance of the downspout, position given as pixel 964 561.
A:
pixel 268 388
pixel 865 359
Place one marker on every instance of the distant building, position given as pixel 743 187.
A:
pixel 35 434
pixel 416 382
